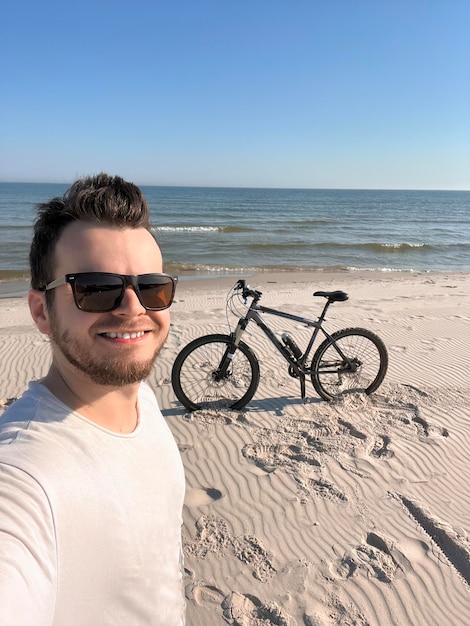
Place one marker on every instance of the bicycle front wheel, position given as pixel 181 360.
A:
pixel 206 374
pixel 355 360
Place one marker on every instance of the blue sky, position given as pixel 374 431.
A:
pixel 256 93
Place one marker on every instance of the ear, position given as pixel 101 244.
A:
pixel 38 308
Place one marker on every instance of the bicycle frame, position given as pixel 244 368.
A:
pixel 253 314
pixel 298 365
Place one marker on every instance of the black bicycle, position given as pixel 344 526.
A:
pixel 223 371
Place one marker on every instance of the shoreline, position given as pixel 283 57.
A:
pixel 14 288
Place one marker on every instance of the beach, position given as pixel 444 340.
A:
pixel 351 512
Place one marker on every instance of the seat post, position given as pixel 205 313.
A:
pixel 325 309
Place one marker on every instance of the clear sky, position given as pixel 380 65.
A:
pixel 255 93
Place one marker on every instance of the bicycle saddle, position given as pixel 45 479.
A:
pixel 333 296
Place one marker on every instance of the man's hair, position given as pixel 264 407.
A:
pixel 100 199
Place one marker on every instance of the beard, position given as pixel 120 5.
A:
pixel 115 372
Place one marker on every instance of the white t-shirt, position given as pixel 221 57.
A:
pixel 90 520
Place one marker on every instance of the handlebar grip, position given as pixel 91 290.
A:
pixel 246 291
pixel 251 293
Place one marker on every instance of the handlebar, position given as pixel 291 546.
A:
pixel 247 292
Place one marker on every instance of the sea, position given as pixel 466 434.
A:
pixel 216 231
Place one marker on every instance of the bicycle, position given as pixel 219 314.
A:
pixel 220 370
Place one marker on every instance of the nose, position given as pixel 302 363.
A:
pixel 130 305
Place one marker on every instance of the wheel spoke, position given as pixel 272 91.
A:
pixel 195 380
pixel 361 370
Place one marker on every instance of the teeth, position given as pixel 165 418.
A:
pixel 124 335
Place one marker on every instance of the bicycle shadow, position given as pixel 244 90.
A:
pixel 274 405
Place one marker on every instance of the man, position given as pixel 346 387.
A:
pixel 91 481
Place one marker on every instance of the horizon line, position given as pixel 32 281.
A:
pixel 188 186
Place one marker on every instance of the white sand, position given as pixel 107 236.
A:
pixel 351 512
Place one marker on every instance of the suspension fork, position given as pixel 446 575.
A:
pixel 221 371
pixel 239 330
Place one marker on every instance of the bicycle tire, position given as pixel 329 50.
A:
pixel 332 378
pixel 192 375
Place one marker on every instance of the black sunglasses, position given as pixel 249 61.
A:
pixel 100 292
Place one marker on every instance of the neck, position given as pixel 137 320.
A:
pixel 113 408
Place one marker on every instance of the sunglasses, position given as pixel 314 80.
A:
pixel 100 292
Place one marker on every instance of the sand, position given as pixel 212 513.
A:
pixel 355 511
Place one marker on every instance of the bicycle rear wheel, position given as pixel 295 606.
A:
pixel 206 375
pixel 355 360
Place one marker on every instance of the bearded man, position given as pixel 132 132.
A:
pixel 91 480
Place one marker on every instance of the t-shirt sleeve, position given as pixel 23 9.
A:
pixel 27 551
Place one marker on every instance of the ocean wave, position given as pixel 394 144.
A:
pixel 207 270
pixel 407 270
pixel 216 270
pixel 185 229
pixel 398 247
pixel 200 229
pixel 333 245
pixel 376 246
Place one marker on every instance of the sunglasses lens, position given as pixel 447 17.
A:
pixel 101 292
pixel 95 293
pixel 156 292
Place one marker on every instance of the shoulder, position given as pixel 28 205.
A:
pixel 37 432
pixel 19 415
pixel 37 403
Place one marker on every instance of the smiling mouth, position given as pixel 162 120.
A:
pixel 133 335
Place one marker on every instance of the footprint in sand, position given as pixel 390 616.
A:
pixel 380 448
pixel 287 456
pixel 352 430
pixel 376 557
pixel 205 595
pixel 400 405
pixel 214 537
pixel 295 447
pixel 238 609
pixel 327 490
pixel 422 426
pixel 335 612
pixel 244 610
